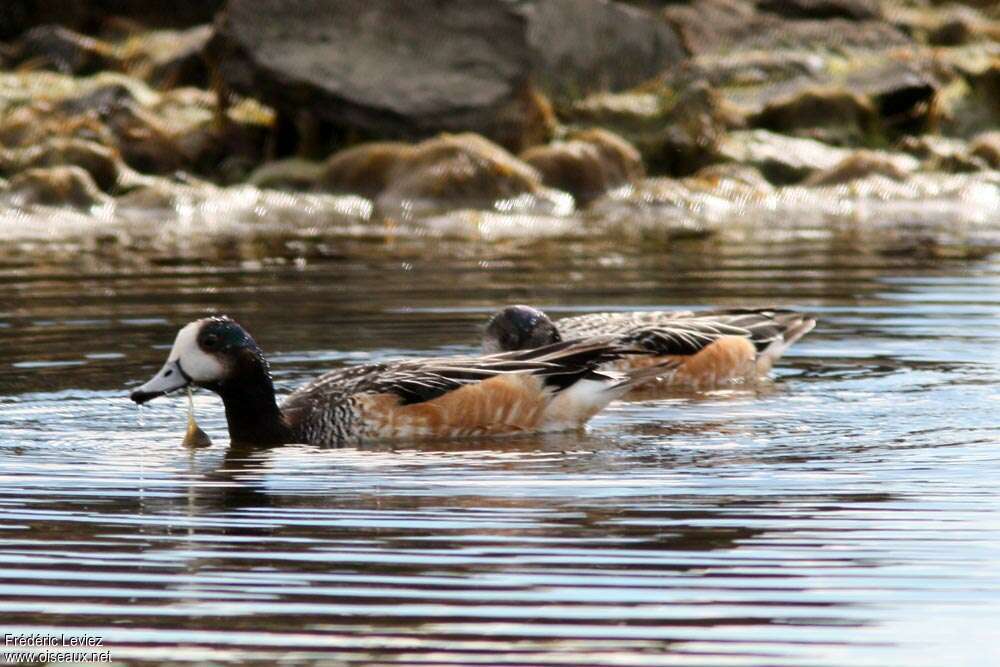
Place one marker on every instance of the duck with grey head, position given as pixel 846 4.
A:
pixel 555 387
pixel 710 348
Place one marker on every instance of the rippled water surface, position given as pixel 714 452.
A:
pixel 846 513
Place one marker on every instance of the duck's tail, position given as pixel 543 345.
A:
pixel 576 404
pixel 791 327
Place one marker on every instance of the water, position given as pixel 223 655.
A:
pixel 846 513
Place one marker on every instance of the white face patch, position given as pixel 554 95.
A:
pixel 197 364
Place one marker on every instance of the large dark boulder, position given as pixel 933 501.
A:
pixel 389 68
pixel 581 47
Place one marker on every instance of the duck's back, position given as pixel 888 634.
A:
pixel 448 397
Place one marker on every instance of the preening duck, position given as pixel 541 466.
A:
pixel 555 387
pixel 710 348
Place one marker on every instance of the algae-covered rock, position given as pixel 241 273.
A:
pixel 366 169
pixel 676 133
pixel 938 153
pixel 832 115
pixel 728 173
pixel 587 164
pixel 153 132
pixel 55 186
pixel 289 174
pixel 169 58
pixel 733 26
pixel 865 163
pixel 463 171
pixel 101 163
pixel 780 158
pixel 444 173
pixel 986 147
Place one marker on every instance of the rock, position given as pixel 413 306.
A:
pixel 62 50
pixel 822 9
pixel 859 98
pixel 168 58
pixel 448 172
pixel 676 132
pixel 101 163
pixel 588 164
pixel 733 26
pixel 718 175
pixel 862 164
pixel 460 171
pixel 365 170
pixel 580 47
pixel 781 159
pixel 830 115
pixel 972 104
pixel 157 133
pixel 902 88
pixel 946 24
pixel 986 147
pixel 941 153
pixel 55 186
pixel 383 67
pixel 290 174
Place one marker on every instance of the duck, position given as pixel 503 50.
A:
pixel 554 387
pixel 710 348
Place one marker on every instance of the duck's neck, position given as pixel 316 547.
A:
pixel 251 410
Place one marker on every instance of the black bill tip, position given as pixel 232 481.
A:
pixel 141 397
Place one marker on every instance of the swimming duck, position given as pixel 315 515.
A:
pixel 555 387
pixel 710 347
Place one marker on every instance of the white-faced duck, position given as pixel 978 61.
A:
pixel 556 387
pixel 711 348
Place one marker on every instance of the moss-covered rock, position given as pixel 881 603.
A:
pixel 66 185
pixel 986 147
pixel 101 163
pixel 448 172
pixel 156 133
pixel 862 164
pixel 587 164
pixel 676 132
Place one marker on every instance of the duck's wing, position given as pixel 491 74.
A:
pixel 418 380
pixel 558 366
pixel 599 324
pixel 772 330
pixel 688 332
pixel 680 337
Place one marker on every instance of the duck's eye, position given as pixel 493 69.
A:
pixel 210 341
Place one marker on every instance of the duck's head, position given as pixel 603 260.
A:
pixel 207 353
pixel 519 328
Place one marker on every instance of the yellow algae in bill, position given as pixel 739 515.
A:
pixel 194 438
